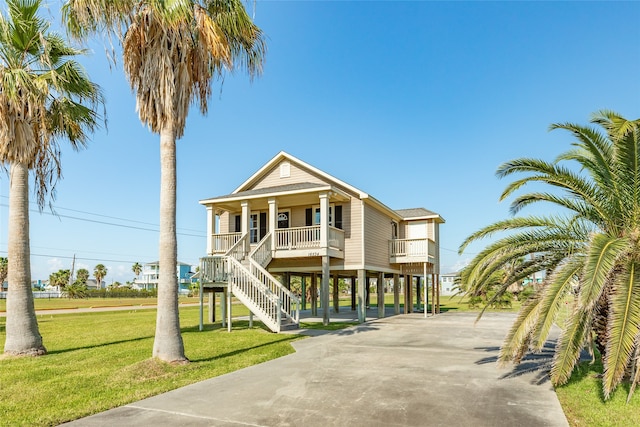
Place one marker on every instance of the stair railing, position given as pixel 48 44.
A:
pixel 255 295
pixel 260 257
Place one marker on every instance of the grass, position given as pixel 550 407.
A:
pixel 584 405
pixel 66 303
pixel 98 361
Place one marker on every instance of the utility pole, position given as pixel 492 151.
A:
pixel 73 266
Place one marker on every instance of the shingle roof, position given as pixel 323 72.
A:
pixel 415 212
pixel 276 189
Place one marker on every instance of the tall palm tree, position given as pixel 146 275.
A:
pixel 590 252
pixel 172 51
pixel 99 273
pixel 45 96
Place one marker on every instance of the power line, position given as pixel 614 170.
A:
pixel 109 223
pixel 98 215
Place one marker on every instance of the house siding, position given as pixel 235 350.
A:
pixel 297 175
pixel 377 227
pixel 352 225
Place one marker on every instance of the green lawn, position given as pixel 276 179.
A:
pixel 98 361
pixel 101 360
pixel 59 303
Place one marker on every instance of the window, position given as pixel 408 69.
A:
pixel 313 216
pixel 253 228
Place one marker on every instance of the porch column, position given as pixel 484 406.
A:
pixel 273 222
pixel 336 294
pixel 211 229
pixel 380 295
pixel 353 293
pixel 433 294
pixel 324 221
pixel 426 291
pixel 362 310
pixel 396 294
pixel 418 283
pixel 314 294
pixel 324 290
pixel 367 293
pixel 286 280
pixel 303 296
pixel 437 280
pixel 245 220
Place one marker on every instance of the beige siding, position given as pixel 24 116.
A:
pixel 297 175
pixel 352 225
pixel 225 223
pixel 377 227
pixel 298 217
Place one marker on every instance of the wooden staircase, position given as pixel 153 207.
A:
pixel 248 280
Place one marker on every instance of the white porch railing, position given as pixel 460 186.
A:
pixel 412 248
pixel 255 295
pixel 213 269
pixel 298 238
pixel 221 243
pixel 240 248
pixel 336 238
pixel 260 258
pixel 307 238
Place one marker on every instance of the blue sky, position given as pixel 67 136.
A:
pixel 416 103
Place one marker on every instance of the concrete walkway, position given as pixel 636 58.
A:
pixel 399 371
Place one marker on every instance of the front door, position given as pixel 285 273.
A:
pixel 283 219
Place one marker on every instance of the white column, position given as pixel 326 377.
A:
pixel 324 220
pixel 244 221
pixel 273 222
pixel 211 224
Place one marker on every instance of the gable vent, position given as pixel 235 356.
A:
pixel 285 170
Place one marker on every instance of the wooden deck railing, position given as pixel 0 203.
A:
pixel 307 238
pixel 221 243
pixel 412 248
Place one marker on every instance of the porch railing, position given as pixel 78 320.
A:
pixel 307 238
pixel 213 269
pixel 298 238
pixel 258 259
pixel 412 248
pixel 336 238
pixel 221 243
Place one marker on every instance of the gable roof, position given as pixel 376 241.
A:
pixel 286 156
pixel 245 190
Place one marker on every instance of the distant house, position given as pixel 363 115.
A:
pixel 448 283
pixel 150 272
pixel 92 284
pixel 290 218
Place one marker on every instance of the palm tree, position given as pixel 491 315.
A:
pixel 137 269
pixel 4 262
pixel 99 273
pixel 172 51
pixel 590 252
pixel 45 95
pixel 82 276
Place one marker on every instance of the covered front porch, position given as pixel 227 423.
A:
pixel 303 220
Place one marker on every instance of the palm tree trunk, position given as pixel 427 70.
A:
pixel 168 345
pixel 23 336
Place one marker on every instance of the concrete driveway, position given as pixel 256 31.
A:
pixel 399 371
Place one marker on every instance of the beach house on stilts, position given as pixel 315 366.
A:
pixel 292 219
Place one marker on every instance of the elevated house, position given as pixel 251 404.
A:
pixel 290 218
pixel 150 272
